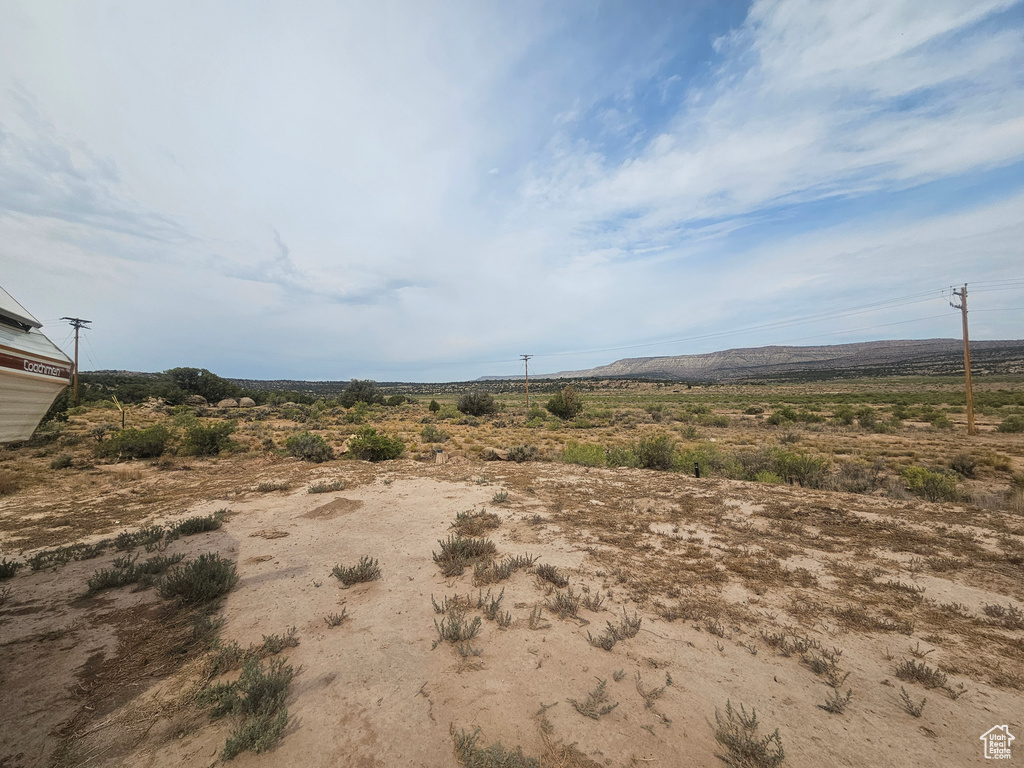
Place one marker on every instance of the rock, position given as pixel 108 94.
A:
pixel 494 454
pixel 195 400
pixel 246 402
pixel 228 402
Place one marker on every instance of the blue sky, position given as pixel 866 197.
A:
pixel 425 191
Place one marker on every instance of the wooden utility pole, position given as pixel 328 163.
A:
pixel 78 323
pixel 526 362
pixel 962 306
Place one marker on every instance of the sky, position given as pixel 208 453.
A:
pixel 420 191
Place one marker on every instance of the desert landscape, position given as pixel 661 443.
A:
pixel 841 585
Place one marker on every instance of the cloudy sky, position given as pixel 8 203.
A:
pixel 425 191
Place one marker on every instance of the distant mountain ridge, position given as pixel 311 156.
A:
pixel 868 358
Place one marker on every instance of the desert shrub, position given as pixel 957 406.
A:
pixel 471 523
pixel 309 447
pixel 709 458
pixel 656 452
pixel 370 446
pixel 432 434
pixel 448 412
pixel 8 568
pixel 764 476
pixel 565 404
pixel 395 400
pixel 809 471
pixel 844 414
pixel 737 732
pixel 257 698
pixel 855 477
pixel 326 486
pixel 207 440
pixel 200 524
pixel 61 462
pixel 782 416
pixel 587 454
pixel 469 753
pixel 621 456
pixel 753 410
pixel 434 406
pixel 1014 423
pixel 477 404
pixel 934 486
pixel 941 422
pixel 521 453
pixel 366 569
pixel 458 551
pixel 8 483
pixel 201 580
pixel 963 464
pixel 360 392
pixel 136 443
pixel 866 417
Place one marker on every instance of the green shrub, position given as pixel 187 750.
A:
pixel 448 412
pixel 395 400
pixel 258 699
pixel 477 404
pixel 370 446
pixel 134 443
pixel 656 452
pixel 207 440
pixel 809 471
pixel 753 410
pixel 434 406
pixel 309 447
pixel 432 434
pixel 934 486
pixel 200 524
pixel 765 476
pixel 201 580
pixel 963 464
pixel 1014 423
pixel 521 453
pixel 706 455
pixel 535 412
pixel 61 462
pixel 782 416
pixel 565 404
pixel 366 569
pixel 8 568
pixel 866 417
pixel 587 454
pixel 360 392
pixel 621 456
pixel 845 415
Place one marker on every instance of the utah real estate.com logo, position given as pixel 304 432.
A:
pixel 997 742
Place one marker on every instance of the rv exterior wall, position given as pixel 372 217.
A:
pixel 25 400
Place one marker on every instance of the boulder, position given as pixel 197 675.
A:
pixel 195 400
pixel 494 454
pixel 246 402
pixel 228 402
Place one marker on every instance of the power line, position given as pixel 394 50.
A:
pixel 77 323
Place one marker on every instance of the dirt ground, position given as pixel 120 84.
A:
pixel 752 594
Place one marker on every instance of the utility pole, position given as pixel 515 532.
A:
pixel 77 323
pixel 962 306
pixel 526 362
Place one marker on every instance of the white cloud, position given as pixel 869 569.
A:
pixel 405 184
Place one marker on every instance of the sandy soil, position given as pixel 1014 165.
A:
pixel 714 568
